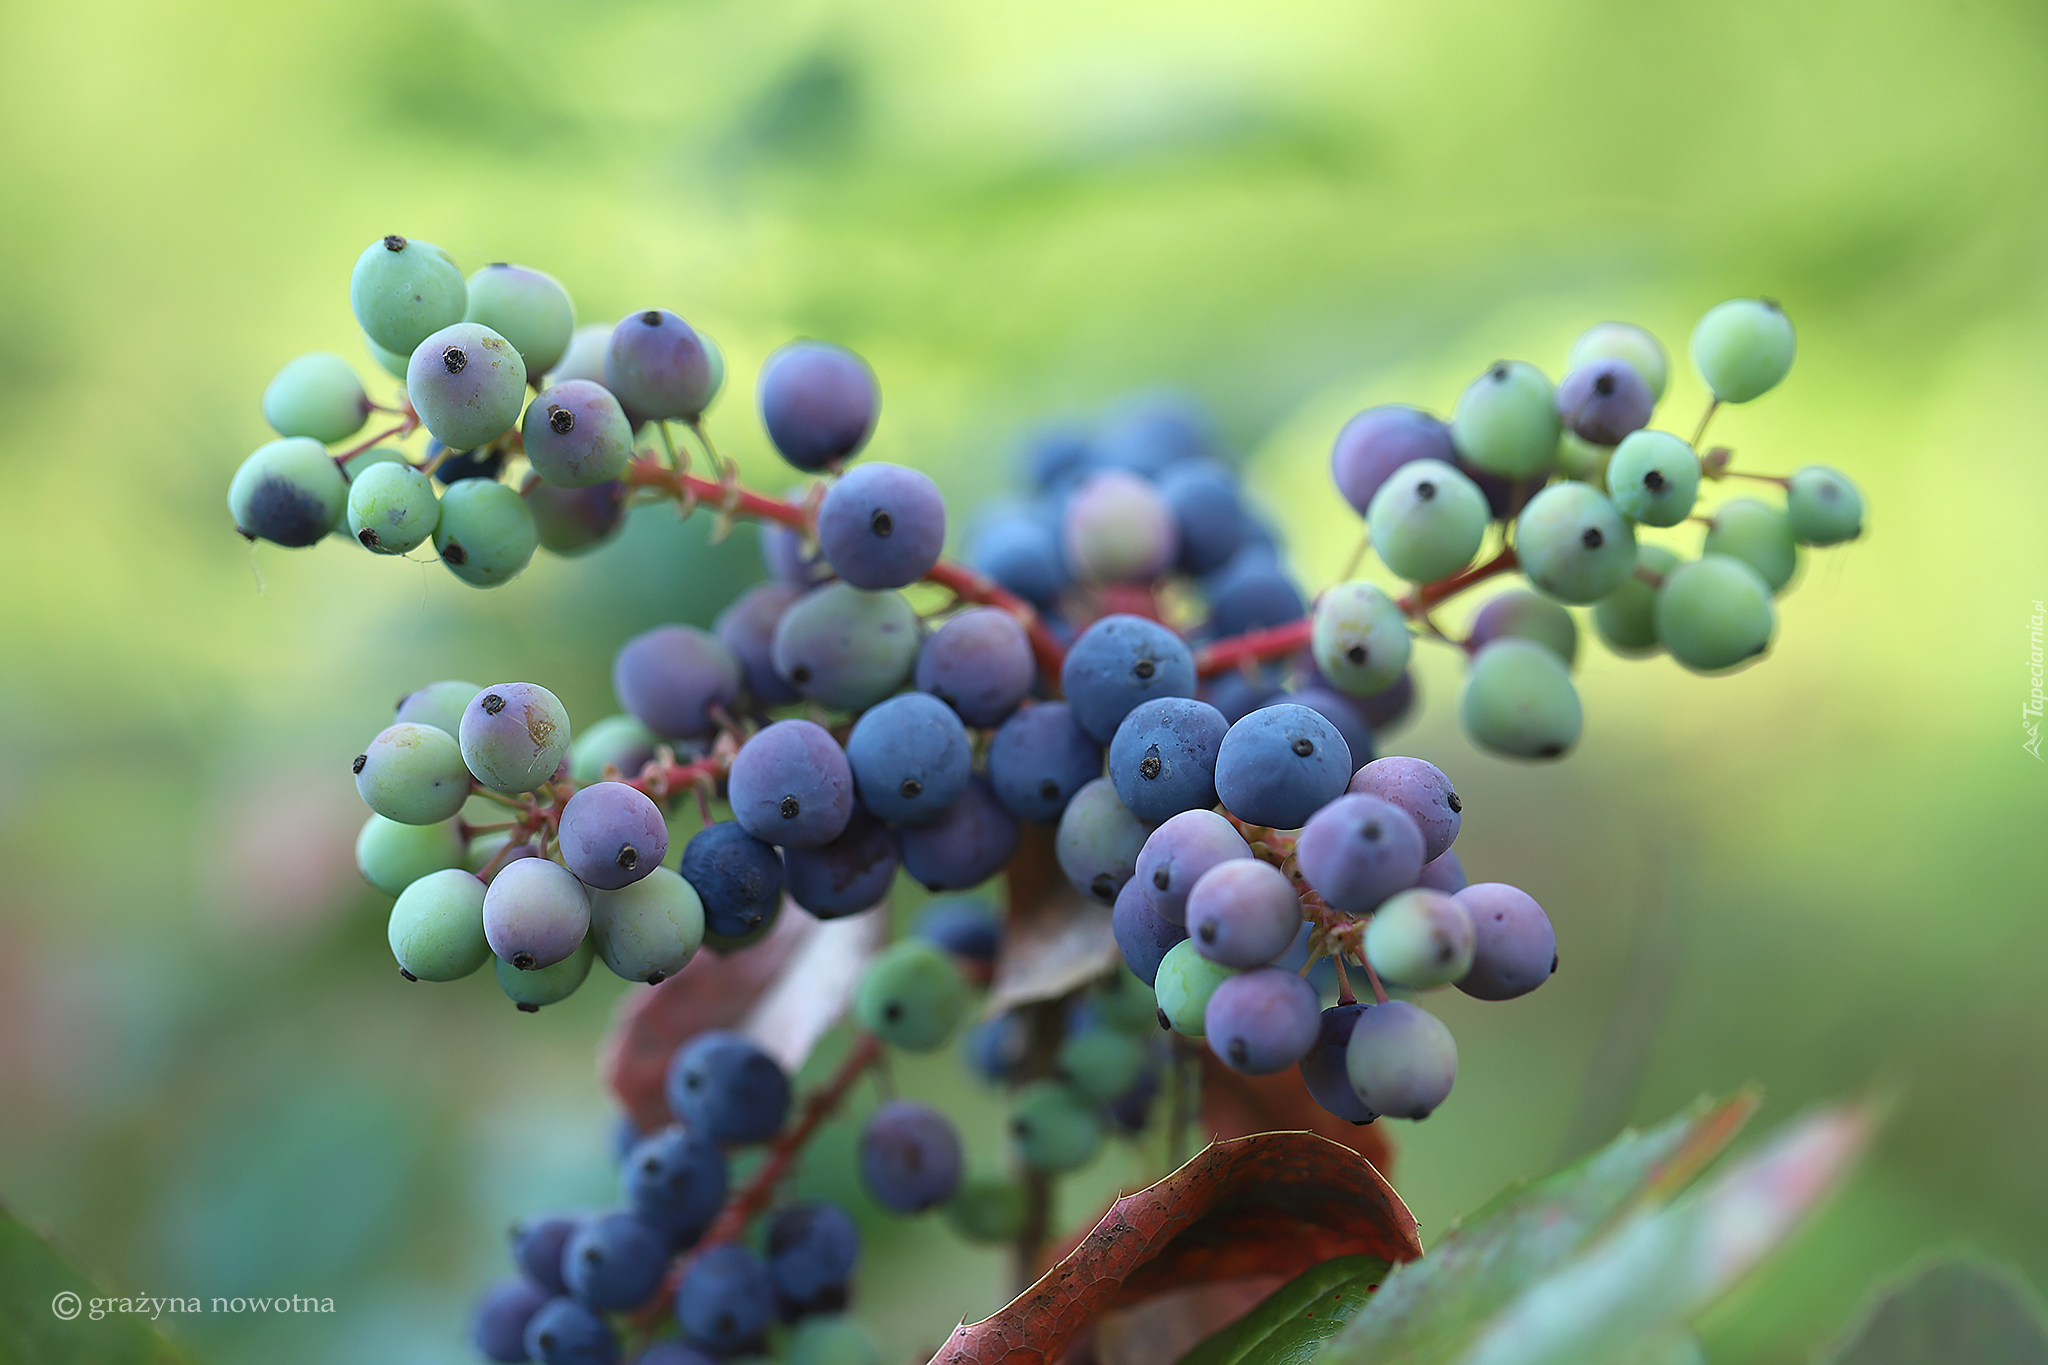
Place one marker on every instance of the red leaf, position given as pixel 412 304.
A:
pixel 1273 1204
pixel 711 992
pixel 1234 1105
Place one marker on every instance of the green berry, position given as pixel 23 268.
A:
pixel 1519 701
pixel 289 492
pixel 392 856
pixel 621 742
pixel 528 308
pixel 402 291
pixel 830 1340
pixel 393 362
pixel 1742 348
pixel 1759 535
pixel 1573 543
pixel 413 774
pixel 1622 341
pixel 392 508
pixel 316 395
pixel 1123 1001
pixel 1627 617
pixel 1055 1127
pixel 1824 507
pixel 1654 478
pixel 650 929
pixel 1578 458
pixel 912 997
pixel 1101 1063
pixel 1185 982
pixel 439 704
pixel 546 985
pixel 1527 616
pixel 1420 938
pixel 437 926
pixel 1715 613
pixel 1427 520
pixel 1360 639
pixel 987 1209
pixel 1506 421
pixel 486 534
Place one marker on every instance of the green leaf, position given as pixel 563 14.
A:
pixel 1295 1319
pixel 1960 1311
pixel 38 1283
pixel 1661 1267
pixel 1429 1308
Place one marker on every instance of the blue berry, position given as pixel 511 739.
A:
pixel 1118 662
pixel 612 835
pixel 1175 855
pixel 1163 758
pixel 564 1332
pixel 965 926
pixel 468 385
pixel 812 1248
pixel 980 664
pixel 1401 1060
pixel 1208 514
pixel 725 1300
pixel 1262 1021
pixel 818 401
pixel 1281 764
pixel 738 877
pixel 673 678
pixel 791 785
pixel 289 493
pixel 658 367
pixel 1022 552
pixel 1419 788
pixel 1515 949
pixel 747 628
pixel 537 1250
pixel 576 435
pixel 909 1157
pixel 968 843
pixel 1117 529
pixel 1358 850
pixel 499 1329
pixel 721 1084
pixel 1379 441
pixel 1143 935
pixel 911 758
pixel 1604 400
pixel 1243 913
pixel 848 875
pixel 614 1261
pixel 1038 759
pixel 675 1182
pixel 882 526
pixel 1323 1066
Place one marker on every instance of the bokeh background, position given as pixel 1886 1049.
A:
pixel 1824 874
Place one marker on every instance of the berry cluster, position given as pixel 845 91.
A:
pixel 676 1250
pixel 1128 664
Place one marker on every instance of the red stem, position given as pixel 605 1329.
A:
pixel 759 1190
pixel 403 429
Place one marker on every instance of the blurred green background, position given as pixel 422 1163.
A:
pixel 1825 873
